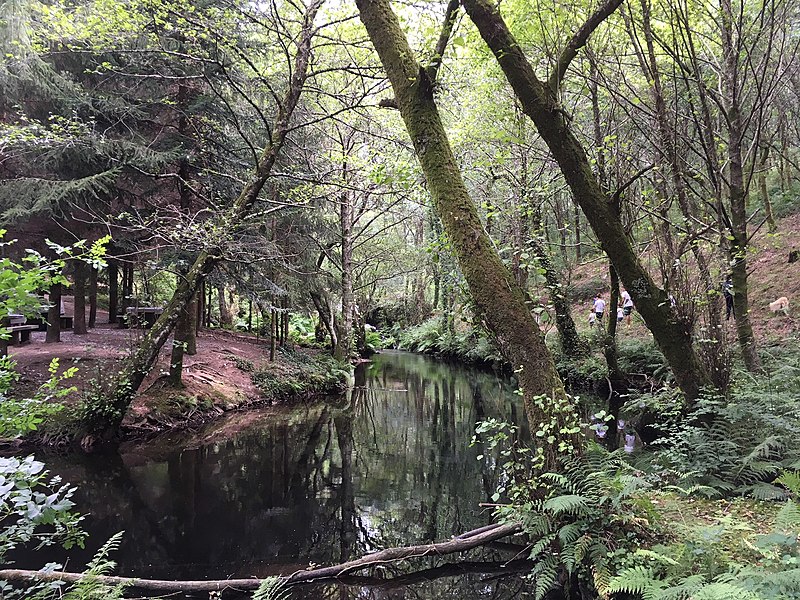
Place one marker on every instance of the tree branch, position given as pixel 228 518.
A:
pixel 466 541
pixel 578 41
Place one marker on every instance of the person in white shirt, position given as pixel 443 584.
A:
pixel 599 307
pixel 627 306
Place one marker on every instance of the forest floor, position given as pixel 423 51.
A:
pixel 215 380
pixel 771 276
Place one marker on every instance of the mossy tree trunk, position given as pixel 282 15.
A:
pixel 140 364
pixel 498 298
pixel 539 102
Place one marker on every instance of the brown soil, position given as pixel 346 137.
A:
pixel 213 383
pixel 771 276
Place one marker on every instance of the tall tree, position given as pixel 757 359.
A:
pixel 501 302
pixel 540 102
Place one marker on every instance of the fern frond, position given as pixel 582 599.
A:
pixel 569 504
pixel 638 580
pixel 788 517
pixel 271 588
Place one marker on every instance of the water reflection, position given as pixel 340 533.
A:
pixel 273 491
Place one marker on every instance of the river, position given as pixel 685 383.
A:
pixel 275 490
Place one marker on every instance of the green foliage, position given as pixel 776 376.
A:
pixel 19 416
pixel 578 519
pixel 99 404
pixel 302 330
pixel 307 376
pixel 35 508
pixel 271 588
pixel 472 346
pixel 738 444
pixel 698 568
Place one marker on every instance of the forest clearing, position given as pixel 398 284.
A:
pixel 377 299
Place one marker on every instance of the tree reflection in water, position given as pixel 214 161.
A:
pixel 273 491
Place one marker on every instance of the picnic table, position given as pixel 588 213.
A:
pixel 142 317
pixel 18 332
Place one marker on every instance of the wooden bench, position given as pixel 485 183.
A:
pixel 19 334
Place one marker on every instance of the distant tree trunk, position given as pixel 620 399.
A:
pixel 127 284
pixel 577 233
pixel 736 189
pixel 285 320
pixel 201 306
pixel 92 297
pixel 540 104
pixel 273 333
pixel 762 189
pixel 54 315
pixel 616 379
pixel 572 345
pixel 225 308
pixel 113 289
pixel 140 364
pixel 190 334
pixel 344 343
pixel 79 319
pixel 182 327
pixel 499 300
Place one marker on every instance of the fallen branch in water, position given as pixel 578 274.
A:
pixel 466 541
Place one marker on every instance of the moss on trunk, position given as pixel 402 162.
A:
pixel 498 298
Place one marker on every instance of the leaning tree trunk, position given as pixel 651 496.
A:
pixel 539 102
pixel 79 298
pixel 140 364
pixel 499 299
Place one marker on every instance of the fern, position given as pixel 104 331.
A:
pixel 271 588
pixel 638 580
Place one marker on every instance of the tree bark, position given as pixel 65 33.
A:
pixel 344 342
pixel 92 297
pixel 79 298
pixel 138 366
pixel 540 104
pixel 572 345
pixel 762 189
pixel 54 315
pixel 736 191
pixel 190 336
pixel 182 328
pixel 113 289
pixel 466 541
pixel 498 298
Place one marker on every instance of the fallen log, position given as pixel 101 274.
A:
pixel 466 541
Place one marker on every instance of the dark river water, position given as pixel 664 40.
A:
pixel 272 491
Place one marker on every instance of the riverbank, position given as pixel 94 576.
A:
pixel 231 371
